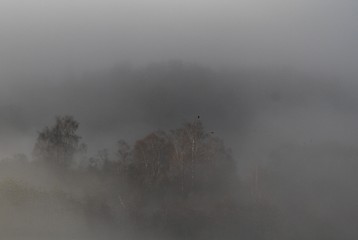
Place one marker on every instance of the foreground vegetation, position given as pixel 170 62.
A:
pixel 177 184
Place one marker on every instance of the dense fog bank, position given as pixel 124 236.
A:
pixel 289 140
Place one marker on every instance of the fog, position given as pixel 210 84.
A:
pixel 71 35
pixel 274 80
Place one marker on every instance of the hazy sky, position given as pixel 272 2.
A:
pixel 287 98
pixel 51 35
pixel 59 39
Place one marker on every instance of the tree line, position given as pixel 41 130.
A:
pixel 182 183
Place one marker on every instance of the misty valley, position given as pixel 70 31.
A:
pixel 179 151
pixel 180 184
pixel 178 120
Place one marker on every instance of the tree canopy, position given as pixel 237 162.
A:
pixel 59 143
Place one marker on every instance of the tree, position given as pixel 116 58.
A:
pixel 199 159
pixel 123 151
pixel 58 144
pixel 151 155
pixel 180 178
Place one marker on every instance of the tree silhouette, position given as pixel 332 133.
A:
pixel 58 144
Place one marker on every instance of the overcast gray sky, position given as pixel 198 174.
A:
pixel 54 35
